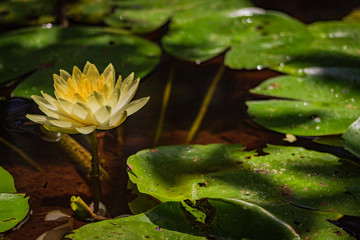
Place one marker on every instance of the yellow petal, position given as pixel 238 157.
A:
pixel 79 98
pixel 92 74
pixel 58 129
pixel 118 83
pixel 64 75
pixel 117 119
pixel 86 67
pixel 102 114
pixel 109 73
pixel 136 105
pixel 86 130
pixel 95 101
pixel 59 80
pixel 76 74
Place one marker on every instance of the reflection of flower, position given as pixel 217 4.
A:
pixel 87 101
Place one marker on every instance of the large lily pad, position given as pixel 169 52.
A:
pixel 13 207
pixel 334 50
pixel 256 38
pixel 316 105
pixel 215 218
pixel 40 52
pixel 286 174
pixel 143 16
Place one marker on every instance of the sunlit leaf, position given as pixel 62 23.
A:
pixel 38 53
pixel 316 105
pixel 255 38
pixel 223 219
pixel 143 16
pixel 284 175
pixel 334 51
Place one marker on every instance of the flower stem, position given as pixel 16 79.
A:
pixel 205 104
pixel 95 171
pixel 164 105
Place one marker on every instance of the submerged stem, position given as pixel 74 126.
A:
pixel 164 105
pixel 22 154
pixel 205 104
pixel 95 171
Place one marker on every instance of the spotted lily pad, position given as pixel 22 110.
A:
pixel 334 50
pixel 14 207
pixel 256 38
pixel 215 218
pixel 315 105
pixel 37 53
pixel 280 181
pixel 143 16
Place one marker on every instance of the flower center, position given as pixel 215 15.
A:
pixel 84 87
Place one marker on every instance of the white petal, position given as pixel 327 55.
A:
pixel 65 105
pixel 102 114
pixel 41 119
pixel 125 86
pixel 114 98
pixel 81 111
pixel 60 124
pixel 50 99
pixel 117 119
pixel 125 98
pixel 136 105
pixel 41 101
pixel 95 101
pixel 86 130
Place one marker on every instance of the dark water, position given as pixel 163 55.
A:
pixel 225 122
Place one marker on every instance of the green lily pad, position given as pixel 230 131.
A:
pixel 14 207
pixel 220 219
pixel 284 175
pixel 6 182
pixel 38 53
pixel 352 138
pixel 142 16
pixel 256 38
pixel 20 12
pixel 334 50
pixel 317 104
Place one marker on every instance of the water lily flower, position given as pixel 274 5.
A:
pixel 86 101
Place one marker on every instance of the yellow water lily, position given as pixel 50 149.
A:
pixel 86 101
